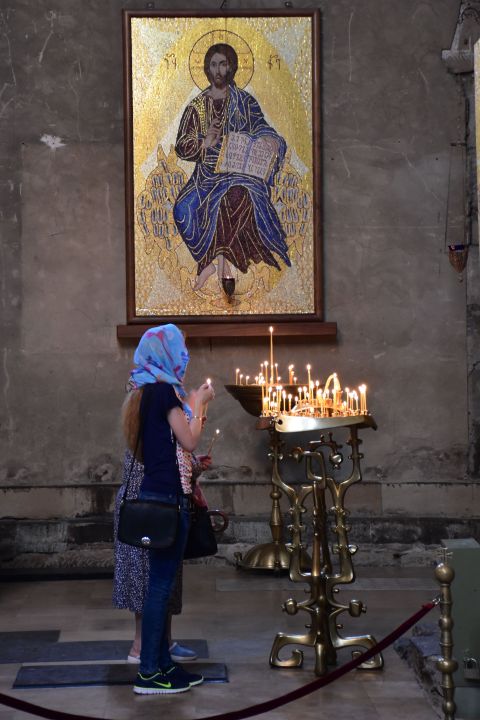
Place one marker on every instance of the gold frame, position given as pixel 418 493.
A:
pixel 225 321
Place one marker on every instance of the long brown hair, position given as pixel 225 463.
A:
pixel 131 421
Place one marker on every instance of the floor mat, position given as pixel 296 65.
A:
pixel 17 646
pixel 37 647
pixel 53 676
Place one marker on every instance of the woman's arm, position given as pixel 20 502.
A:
pixel 187 434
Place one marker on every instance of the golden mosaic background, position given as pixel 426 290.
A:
pixel 476 50
pixel 165 57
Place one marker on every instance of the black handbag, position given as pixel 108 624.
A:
pixel 201 541
pixel 146 523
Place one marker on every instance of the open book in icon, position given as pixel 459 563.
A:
pixel 250 156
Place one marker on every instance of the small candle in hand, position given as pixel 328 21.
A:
pixel 204 413
pixel 212 441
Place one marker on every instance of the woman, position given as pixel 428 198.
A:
pixel 131 569
pixel 159 403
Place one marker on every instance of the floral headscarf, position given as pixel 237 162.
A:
pixel 161 356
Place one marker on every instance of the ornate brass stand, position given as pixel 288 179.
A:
pixel 273 555
pixel 321 605
pixel 446 664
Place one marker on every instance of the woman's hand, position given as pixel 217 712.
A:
pixel 204 394
pixel 204 461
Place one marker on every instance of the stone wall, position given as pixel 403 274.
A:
pixel 390 112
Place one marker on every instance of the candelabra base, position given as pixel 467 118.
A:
pixel 269 556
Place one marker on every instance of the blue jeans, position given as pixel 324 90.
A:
pixel 155 653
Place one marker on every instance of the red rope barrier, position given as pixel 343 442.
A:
pixel 253 710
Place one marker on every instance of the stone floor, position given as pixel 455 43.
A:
pixel 239 614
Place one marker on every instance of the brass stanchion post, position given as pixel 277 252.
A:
pixel 446 664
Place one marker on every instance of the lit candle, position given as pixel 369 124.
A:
pixel 290 374
pixel 300 395
pixel 355 397
pixel 265 404
pixel 337 395
pixel 347 393
pixel 256 379
pixel 241 376
pixel 266 371
pixel 363 399
pixel 271 353
pixel 247 379
pixel 289 403
pixel 284 395
pixel 212 441
pixel 236 375
pixel 294 379
pixel 276 372
pixel 309 367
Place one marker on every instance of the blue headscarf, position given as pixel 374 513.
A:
pixel 161 356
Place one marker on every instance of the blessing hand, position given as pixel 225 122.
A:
pixel 213 134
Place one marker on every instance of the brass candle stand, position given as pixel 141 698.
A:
pixel 272 555
pixel 322 605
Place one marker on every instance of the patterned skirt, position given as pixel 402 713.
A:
pixel 130 575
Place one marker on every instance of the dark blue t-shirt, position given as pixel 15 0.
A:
pixel 159 451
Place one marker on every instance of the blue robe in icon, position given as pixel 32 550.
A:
pixel 228 213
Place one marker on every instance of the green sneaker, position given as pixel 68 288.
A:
pixel 179 673
pixel 160 683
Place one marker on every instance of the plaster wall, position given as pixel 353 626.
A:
pixel 390 112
